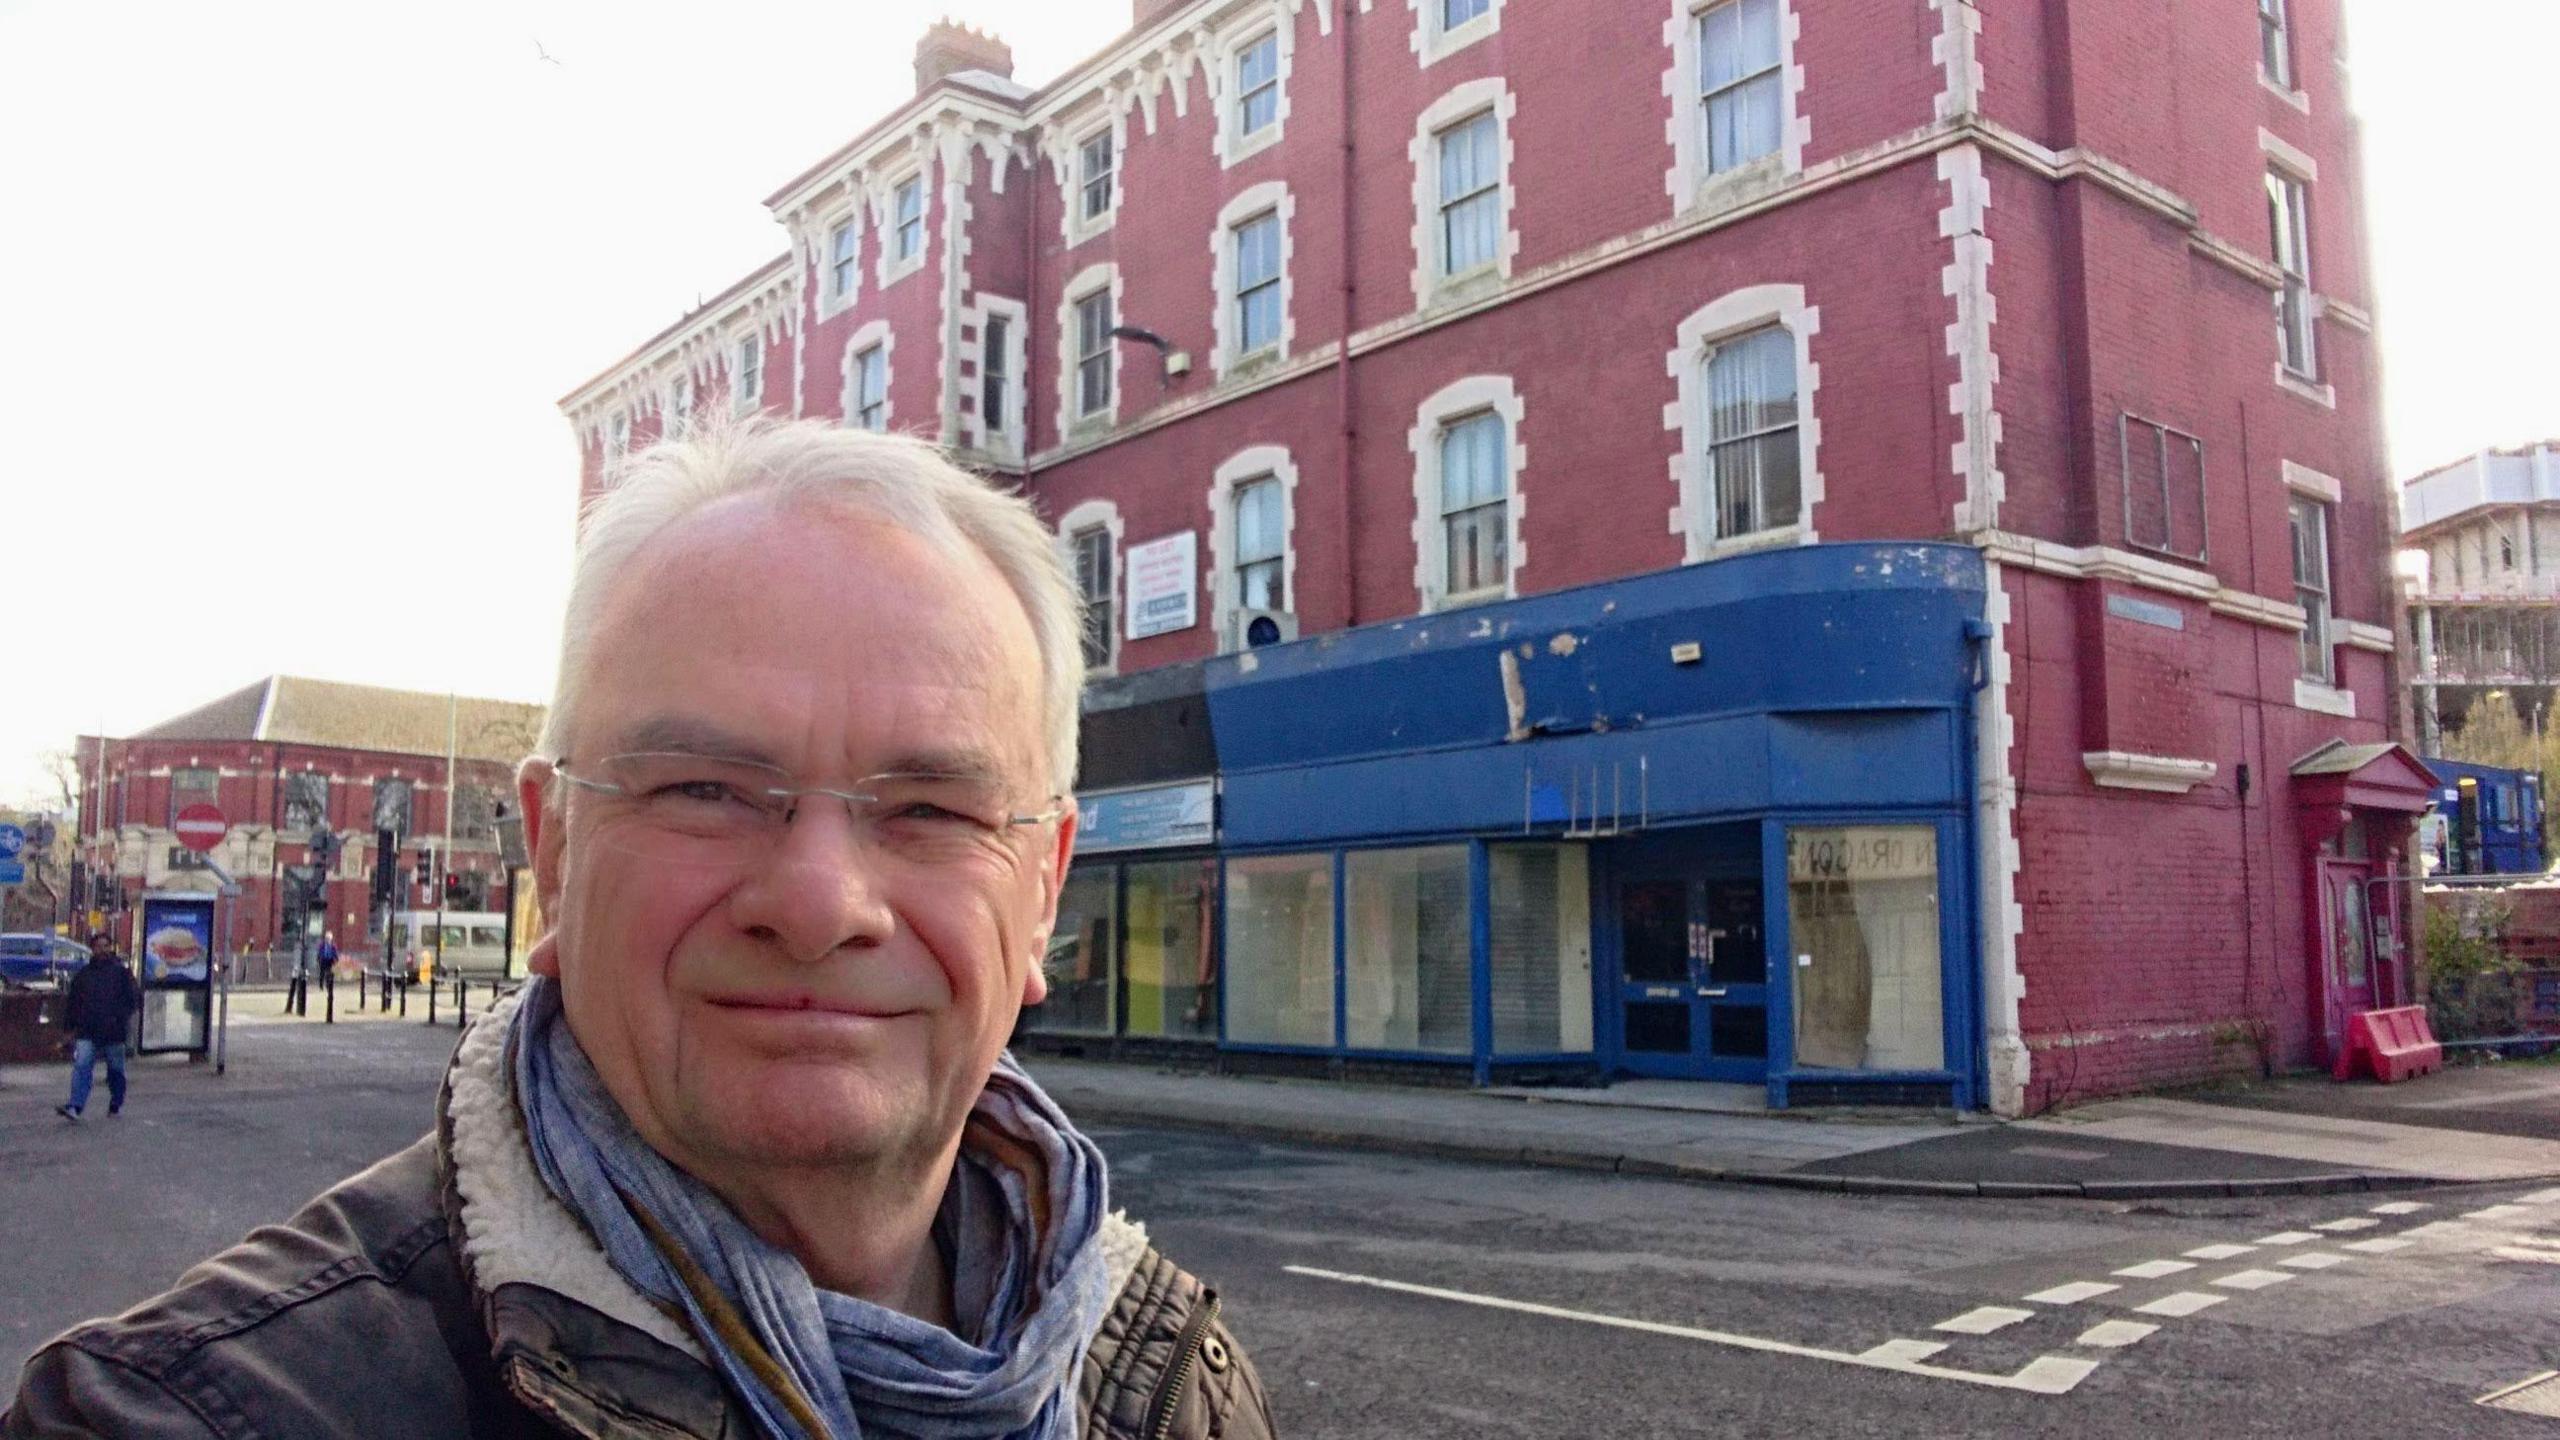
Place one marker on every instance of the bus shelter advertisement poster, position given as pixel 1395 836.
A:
pixel 177 940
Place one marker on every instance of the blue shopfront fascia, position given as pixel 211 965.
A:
pixel 1821 685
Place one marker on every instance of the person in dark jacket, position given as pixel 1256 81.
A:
pixel 98 1010
pixel 747 1155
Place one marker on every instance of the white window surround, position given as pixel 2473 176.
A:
pixel 1686 180
pixel 1105 515
pixel 1086 281
pixel 746 390
pixel 1261 20
pixel 1454 401
pixel 2303 480
pixel 2281 152
pixel 1255 462
pixel 1074 228
pixel 1433 44
pixel 876 332
pixel 1460 103
pixel 1270 195
pixel 884 220
pixel 2299 100
pixel 2310 694
pixel 1008 437
pixel 678 414
pixel 2126 770
pixel 2322 393
pixel 830 300
pixel 1738 313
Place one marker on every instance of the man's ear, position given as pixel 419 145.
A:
pixel 546 840
pixel 1053 882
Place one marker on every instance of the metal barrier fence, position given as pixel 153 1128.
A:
pixel 2495 1005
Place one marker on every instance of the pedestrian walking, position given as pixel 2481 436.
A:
pixel 98 1009
pixel 328 953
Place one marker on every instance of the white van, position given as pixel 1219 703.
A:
pixel 472 943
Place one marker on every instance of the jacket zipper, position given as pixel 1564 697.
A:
pixel 1194 1335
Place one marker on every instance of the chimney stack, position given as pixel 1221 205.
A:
pixel 949 48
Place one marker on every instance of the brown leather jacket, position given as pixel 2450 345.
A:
pixel 443 1293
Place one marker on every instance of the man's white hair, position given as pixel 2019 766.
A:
pixel 904 481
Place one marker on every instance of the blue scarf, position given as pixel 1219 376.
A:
pixel 1030 1301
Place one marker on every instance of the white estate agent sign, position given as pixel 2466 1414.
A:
pixel 1164 585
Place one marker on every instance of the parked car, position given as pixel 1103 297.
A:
pixel 31 958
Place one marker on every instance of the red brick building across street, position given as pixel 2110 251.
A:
pixel 1837 545
pixel 281 758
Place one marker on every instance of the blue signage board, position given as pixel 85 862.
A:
pixel 13 872
pixel 1156 818
pixel 12 840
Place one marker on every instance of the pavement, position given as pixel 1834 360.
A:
pixel 2290 1137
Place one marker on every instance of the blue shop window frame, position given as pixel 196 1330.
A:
pixel 1479 966
pixel 1959 995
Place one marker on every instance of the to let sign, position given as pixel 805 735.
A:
pixel 1164 585
pixel 200 827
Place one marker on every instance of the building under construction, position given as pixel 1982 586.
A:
pixel 2486 615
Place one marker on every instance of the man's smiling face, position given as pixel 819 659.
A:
pixel 835 992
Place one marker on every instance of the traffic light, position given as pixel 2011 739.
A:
pixel 453 890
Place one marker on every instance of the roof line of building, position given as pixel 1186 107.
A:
pixel 755 279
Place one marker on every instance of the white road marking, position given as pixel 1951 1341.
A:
pixel 2115 1334
pixel 1984 1320
pixel 2496 1212
pixel 2400 1207
pixel 2185 1302
pixel 2435 1227
pixel 2155 1269
pixel 2072 1294
pixel 2252 1279
pixel 2044 1375
pixel 2288 1237
pixel 2219 1252
pixel 2352 1222
pixel 2540 1197
pixel 1904 1350
pixel 2534 1254
pixel 2379 1245
pixel 2313 1260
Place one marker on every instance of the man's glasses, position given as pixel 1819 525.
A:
pixel 733 809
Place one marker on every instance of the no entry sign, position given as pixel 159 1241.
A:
pixel 200 827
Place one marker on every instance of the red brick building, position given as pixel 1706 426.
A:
pixel 287 754
pixel 1399 308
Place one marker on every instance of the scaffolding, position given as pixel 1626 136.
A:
pixel 2470 647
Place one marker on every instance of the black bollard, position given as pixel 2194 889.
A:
pixel 330 984
pixel 360 983
pixel 433 989
pixel 461 1004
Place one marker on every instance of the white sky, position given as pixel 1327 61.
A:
pixel 287 292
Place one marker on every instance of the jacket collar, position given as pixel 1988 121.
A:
pixel 510 1230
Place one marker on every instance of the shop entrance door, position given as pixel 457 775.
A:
pixel 1693 976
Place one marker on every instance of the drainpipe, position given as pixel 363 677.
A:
pixel 1030 309
pixel 1347 507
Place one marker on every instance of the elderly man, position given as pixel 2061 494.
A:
pixel 747 1157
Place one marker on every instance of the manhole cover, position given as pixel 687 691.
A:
pixel 2539 1395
